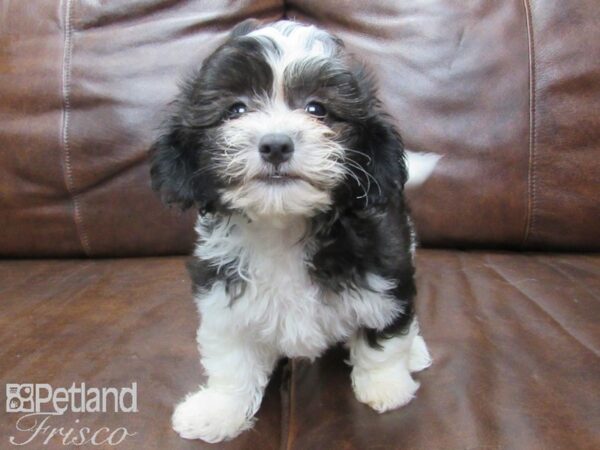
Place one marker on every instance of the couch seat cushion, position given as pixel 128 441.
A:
pixel 514 337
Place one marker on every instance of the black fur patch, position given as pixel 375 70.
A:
pixel 183 154
pixel 344 87
pixel 369 232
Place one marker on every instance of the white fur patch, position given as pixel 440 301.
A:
pixel 316 161
pixel 281 306
pixel 295 42
pixel 420 167
pixel 381 377
pixel 280 313
pixel 210 415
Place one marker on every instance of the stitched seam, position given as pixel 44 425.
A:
pixel 284 404
pixel 292 400
pixel 66 115
pixel 531 173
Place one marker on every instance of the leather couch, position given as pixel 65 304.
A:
pixel 93 286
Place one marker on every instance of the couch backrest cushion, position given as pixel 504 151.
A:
pixel 84 87
pixel 507 92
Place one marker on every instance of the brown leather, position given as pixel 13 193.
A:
pixel 109 323
pixel 85 86
pixel 515 343
pixel 506 91
pixel 514 337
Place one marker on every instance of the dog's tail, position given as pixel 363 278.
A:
pixel 420 167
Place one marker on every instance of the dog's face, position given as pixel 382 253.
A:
pixel 279 120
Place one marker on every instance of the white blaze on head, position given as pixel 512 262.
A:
pixel 293 42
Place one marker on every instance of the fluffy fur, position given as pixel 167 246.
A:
pixel 297 255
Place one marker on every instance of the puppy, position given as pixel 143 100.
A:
pixel 280 142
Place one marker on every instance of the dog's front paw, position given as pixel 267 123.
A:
pixel 211 415
pixel 384 388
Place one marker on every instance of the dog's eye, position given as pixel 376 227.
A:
pixel 237 109
pixel 316 109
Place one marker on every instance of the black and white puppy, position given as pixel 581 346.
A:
pixel 304 236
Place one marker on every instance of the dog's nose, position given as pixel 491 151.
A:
pixel 276 148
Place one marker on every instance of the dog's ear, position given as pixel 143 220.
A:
pixel 176 161
pixel 245 27
pixel 380 156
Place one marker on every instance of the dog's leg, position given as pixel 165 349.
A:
pixel 381 376
pixel 238 370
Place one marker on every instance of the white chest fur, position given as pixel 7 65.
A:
pixel 281 306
